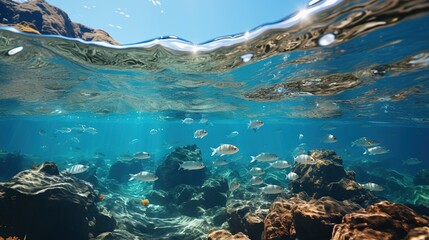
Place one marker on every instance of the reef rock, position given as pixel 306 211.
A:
pixel 420 233
pixel 44 204
pixel 220 234
pixel 291 218
pixel 328 178
pixel 383 220
pixel 247 216
pixel 38 16
pixel 171 176
pixel 121 170
pixel 422 177
pixel 10 164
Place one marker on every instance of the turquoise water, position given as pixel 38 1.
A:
pixel 370 81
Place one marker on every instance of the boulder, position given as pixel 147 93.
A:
pixel 422 177
pixel 45 204
pixel 328 178
pixel 170 176
pixel 221 234
pixel 383 220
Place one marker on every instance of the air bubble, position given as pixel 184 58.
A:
pixel 247 57
pixel 326 39
pixel 14 51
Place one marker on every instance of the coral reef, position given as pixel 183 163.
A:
pixel 170 176
pixel 383 220
pixel 45 204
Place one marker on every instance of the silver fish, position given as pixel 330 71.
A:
pixel 376 150
pixel 220 162
pixel 256 171
pixel 330 139
pixel 305 159
pixel 255 124
pixel 256 180
pixel 272 189
pixel 292 176
pixel 144 177
pixel 188 121
pixel 200 133
pixel 279 164
pixel 141 155
pixel 364 142
pixel 191 165
pixel 76 169
pixel 224 149
pixel 234 186
pixel 411 161
pixel 233 134
pixel 264 157
pixel 372 187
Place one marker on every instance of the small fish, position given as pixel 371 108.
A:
pixel 256 171
pixel 76 169
pixel 134 141
pixel 42 132
pixel 204 120
pixel 264 157
pixel 279 164
pixel 200 133
pixel 64 130
pixel 330 139
pixel 234 186
pixel 188 121
pixel 233 134
pixel 144 177
pixel 75 140
pixel 191 165
pixel 372 187
pixel 153 131
pixel 305 159
pixel 141 155
pixel 224 149
pixel 301 136
pixel 298 151
pixel 272 189
pixel 14 51
pixel 376 150
pixel 292 176
pixel 99 155
pixel 255 124
pixel 256 180
pixel 220 162
pixel 89 130
pixel 411 161
pixel 364 142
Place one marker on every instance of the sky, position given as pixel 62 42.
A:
pixel 198 21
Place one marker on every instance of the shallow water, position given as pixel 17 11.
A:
pixel 347 68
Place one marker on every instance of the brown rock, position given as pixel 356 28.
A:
pixel 40 17
pixel 420 233
pixel 383 220
pixel 221 234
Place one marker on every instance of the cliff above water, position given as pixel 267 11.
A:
pixel 40 17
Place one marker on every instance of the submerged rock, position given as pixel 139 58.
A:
pixel 121 170
pixel 422 177
pixel 45 204
pixel 221 234
pixel 328 178
pixel 383 220
pixel 171 176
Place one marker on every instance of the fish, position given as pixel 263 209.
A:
pixel 14 51
pixel 300 137
pixel 89 130
pixel 75 140
pixel 233 134
pixel 256 180
pixel 220 162
pixel 64 130
pixel 204 120
pixel 330 139
pixel 364 142
pixel 372 187
pixel 191 165
pixel 76 169
pixel 144 176
pixel 292 176
pixel 256 171
pixel 279 164
pixel 411 161
pixel 264 157
pixel 234 186
pixel 153 131
pixel 200 133
pixel 42 132
pixel 298 151
pixel 272 189
pixel 305 159
pixel 141 155
pixel 188 121
pixel 255 124
pixel 224 149
pixel 134 141
pixel 376 150
pixel 125 157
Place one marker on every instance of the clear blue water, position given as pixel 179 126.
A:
pixel 56 83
